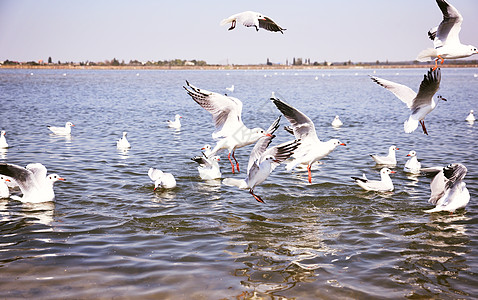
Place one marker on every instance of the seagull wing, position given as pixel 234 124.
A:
pixel 402 92
pixel 226 111
pixel 454 173
pixel 281 152
pixel 22 176
pixel 268 24
pixel 437 187
pixel 302 126
pixel 202 161
pixel 262 144
pixel 449 29
pixel 429 86
pixel 154 174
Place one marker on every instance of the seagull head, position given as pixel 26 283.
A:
pixel 386 171
pixel 440 97
pixel 412 153
pixel 54 178
pixel 69 124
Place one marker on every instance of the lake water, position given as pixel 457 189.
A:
pixel 108 235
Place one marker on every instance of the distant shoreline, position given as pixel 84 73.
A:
pixel 238 67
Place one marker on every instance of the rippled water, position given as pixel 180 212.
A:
pixel 107 234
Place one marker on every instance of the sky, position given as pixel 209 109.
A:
pixel 147 30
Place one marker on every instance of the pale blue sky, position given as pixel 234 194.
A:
pixel 339 30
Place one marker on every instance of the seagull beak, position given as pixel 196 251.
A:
pixel 393 172
pixel 203 148
pixel 154 189
pixel 408 154
pixel 7 180
pixel 268 134
pixel 443 99
pixel 342 144
pixel 61 178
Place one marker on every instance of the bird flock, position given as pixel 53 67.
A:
pixel 448 190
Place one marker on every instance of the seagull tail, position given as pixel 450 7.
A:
pixel 427 55
pixel 410 125
pixel 226 21
pixel 438 208
pixel 240 183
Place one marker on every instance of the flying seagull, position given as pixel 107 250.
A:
pixel 250 18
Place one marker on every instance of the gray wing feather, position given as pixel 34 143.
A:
pixel 268 24
pixel 428 87
pixel 450 27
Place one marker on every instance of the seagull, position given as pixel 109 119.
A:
pixel 123 143
pixel 208 167
pixel 445 37
pixel 207 150
pixel 33 181
pixel 336 122
pixel 263 161
pixel 62 130
pixel 311 148
pixel 3 140
pixel 231 133
pixel 161 179
pixel 250 18
pixel 469 118
pixel 412 165
pixel 176 123
pixel 230 89
pixel 4 192
pixel 448 191
pixel 384 185
pixel 420 104
pixel 390 159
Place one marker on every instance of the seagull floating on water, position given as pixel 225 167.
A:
pixel 4 191
pixel 311 148
pixel 230 89
pixel 390 159
pixel 420 104
pixel 176 123
pixel 448 191
pixel 250 18
pixel 469 118
pixel 161 179
pixel 230 133
pixel 3 140
pixel 33 181
pixel 336 122
pixel 445 37
pixel 123 143
pixel 383 185
pixel 62 130
pixel 263 161
pixel 412 165
pixel 208 167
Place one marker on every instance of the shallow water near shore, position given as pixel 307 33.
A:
pixel 108 235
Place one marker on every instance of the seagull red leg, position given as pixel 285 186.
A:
pixel 237 163
pixel 232 164
pixel 258 198
pixel 309 173
pixel 423 127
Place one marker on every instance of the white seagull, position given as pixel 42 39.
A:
pixel 123 143
pixel 336 122
pixel 176 123
pixel 448 191
pixel 230 89
pixel 420 104
pixel 412 165
pixel 445 37
pixel 311 148
pixel 4 191
pixel 390 159
pixel 161 179
pixel 208 167
pixel 469 118
pixel 230 133
pixel 383 185
pixel 250 18
pixel 33 181
pixel 3 140
pixel 62 130
pixel 263 161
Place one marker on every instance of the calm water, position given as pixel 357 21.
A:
pixel 108 235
